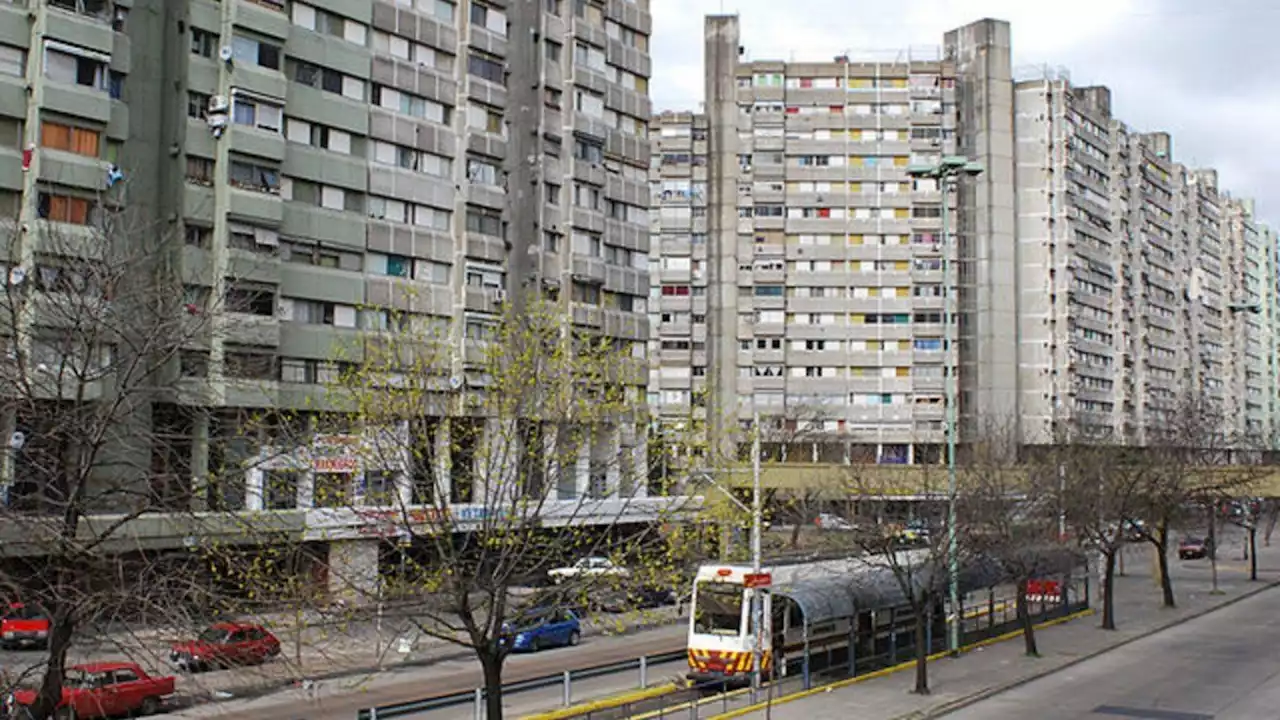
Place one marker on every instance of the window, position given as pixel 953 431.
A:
pixel 412 105
pixel 486 67
pixel 13 61
pixel 412 159
pixel 251 363
pixel 199 170
pixel 588 56
pixel 251 299
pixel 588 103
pixel 483 172
pixel 326 23
pixel 248 176
pixel 553 51
pixel 255 113
pixel 432 271
pixel 314 312
pixel 333 198
pixel 80 141
pixel 382 208
pixel 280 491
pixel 197 105
pixel 260 240
pixel 442 10
pixel 64 208
pixel 588 150
pixel 254 51
pixel 484 118
pixel 484 221
pixel 413 52
pixel 591 245
pixel 489 18
pixel 203 42
pixel 318 135
pixel 323 78
pixel 74 68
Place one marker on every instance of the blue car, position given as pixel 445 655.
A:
pixel 544 629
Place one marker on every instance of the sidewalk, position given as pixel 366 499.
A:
pixel 987 670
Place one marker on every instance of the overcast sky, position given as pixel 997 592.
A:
pixel 1204 71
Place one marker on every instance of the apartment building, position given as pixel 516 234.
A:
pixel 797 266
pixel 1143 284
pixel 337 167
pixel 803 236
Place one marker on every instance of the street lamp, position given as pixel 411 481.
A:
pixel 948 172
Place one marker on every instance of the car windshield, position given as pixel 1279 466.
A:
pixel 77 679
pixel 1192 541
pixel 213 635
pixel 718 609
pixel 24 612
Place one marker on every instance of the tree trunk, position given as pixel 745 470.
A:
pixel 1273 511
pixel 795 533
pixel 922 648
pixel 1162 558
pixel 1108 591
pixel 1253 552
pixel 50 694
pixel 1024 619
pixel 491 665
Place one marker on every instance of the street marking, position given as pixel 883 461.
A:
pixel 1149 713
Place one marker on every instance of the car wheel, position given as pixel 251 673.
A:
pixel 575 637
pixel 66 713
pixel 150 706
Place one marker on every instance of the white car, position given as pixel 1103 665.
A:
pixel 588 567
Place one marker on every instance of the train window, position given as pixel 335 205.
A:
pixel 718 609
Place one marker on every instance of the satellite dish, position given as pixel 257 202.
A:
pixel 225 53
pixel 17 276
pixel 455 382
pixel 17 440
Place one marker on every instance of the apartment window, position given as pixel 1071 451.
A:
pixel 197 105
pixel 412 105
pixel 251 363
pixel 483 172
pixel 392 265
pixel 484 221
pixel 263 54
pixel 314 312
pixel 585 55
pixel 484 118
pixel 586 196
pixel 203 42
pixel 591 151
pixel 325 196
pixel 431 271
pixel 319 136
pixel 486 67
pixel 263 241
pixel 199 170
pixel 248 176
pixel 410 51
pixel 551 194
pixel 13 61
pixel 251 299
pixel 281 488
pixel 412 159
pixel 80 141
pixel 591 245
pixel 588 103
pixel 65 65
pixel 326 23
pixel 64 208
pixel 197 236
pixel 255 113
pixel 382 208
pixel 553 51
pixel 489 18
pixel 588 294
pixel 323 78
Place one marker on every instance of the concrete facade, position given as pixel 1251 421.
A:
pixel 366 165
pixel 1099 284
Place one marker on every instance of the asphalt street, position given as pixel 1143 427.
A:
pixel 1222 666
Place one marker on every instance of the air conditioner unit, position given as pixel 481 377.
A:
pixel 499 295
pixel 219 104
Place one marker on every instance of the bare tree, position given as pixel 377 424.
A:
pixel 93 327
pixel 798 430
pixel 1010 513
pixel 917 563
pixel 497 466
pixel 1249 518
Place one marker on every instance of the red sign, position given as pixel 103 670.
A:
pixel 757 580
pixel 1044 591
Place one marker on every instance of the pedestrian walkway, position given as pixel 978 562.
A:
pixel 955 682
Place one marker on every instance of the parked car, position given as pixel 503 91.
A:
pixel 1193 548
pixel 23 626
pixel 914 531
pixel 99 690
pixel 225 645
pixel 588 567
pixel 830 521
pixel 551 627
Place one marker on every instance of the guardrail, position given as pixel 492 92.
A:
pixel 564 679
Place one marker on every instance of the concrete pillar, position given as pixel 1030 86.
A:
pixel 200 461
pixel 582 472
pixel 443 447
pixel 306 488
pixel 609 453
pixel 353 570
pixel 254 481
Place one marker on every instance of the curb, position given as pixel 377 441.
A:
pixel 974 698
pixel 882 672
pixel 608 703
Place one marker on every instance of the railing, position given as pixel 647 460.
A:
pixel 563 679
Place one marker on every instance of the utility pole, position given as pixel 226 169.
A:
pixel 757 520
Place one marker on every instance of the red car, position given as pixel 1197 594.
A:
pixel 23 626
pixel 224 645
pixel 100 690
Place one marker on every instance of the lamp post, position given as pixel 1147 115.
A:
pixel 948 173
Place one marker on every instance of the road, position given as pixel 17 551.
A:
pixel 1222 666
